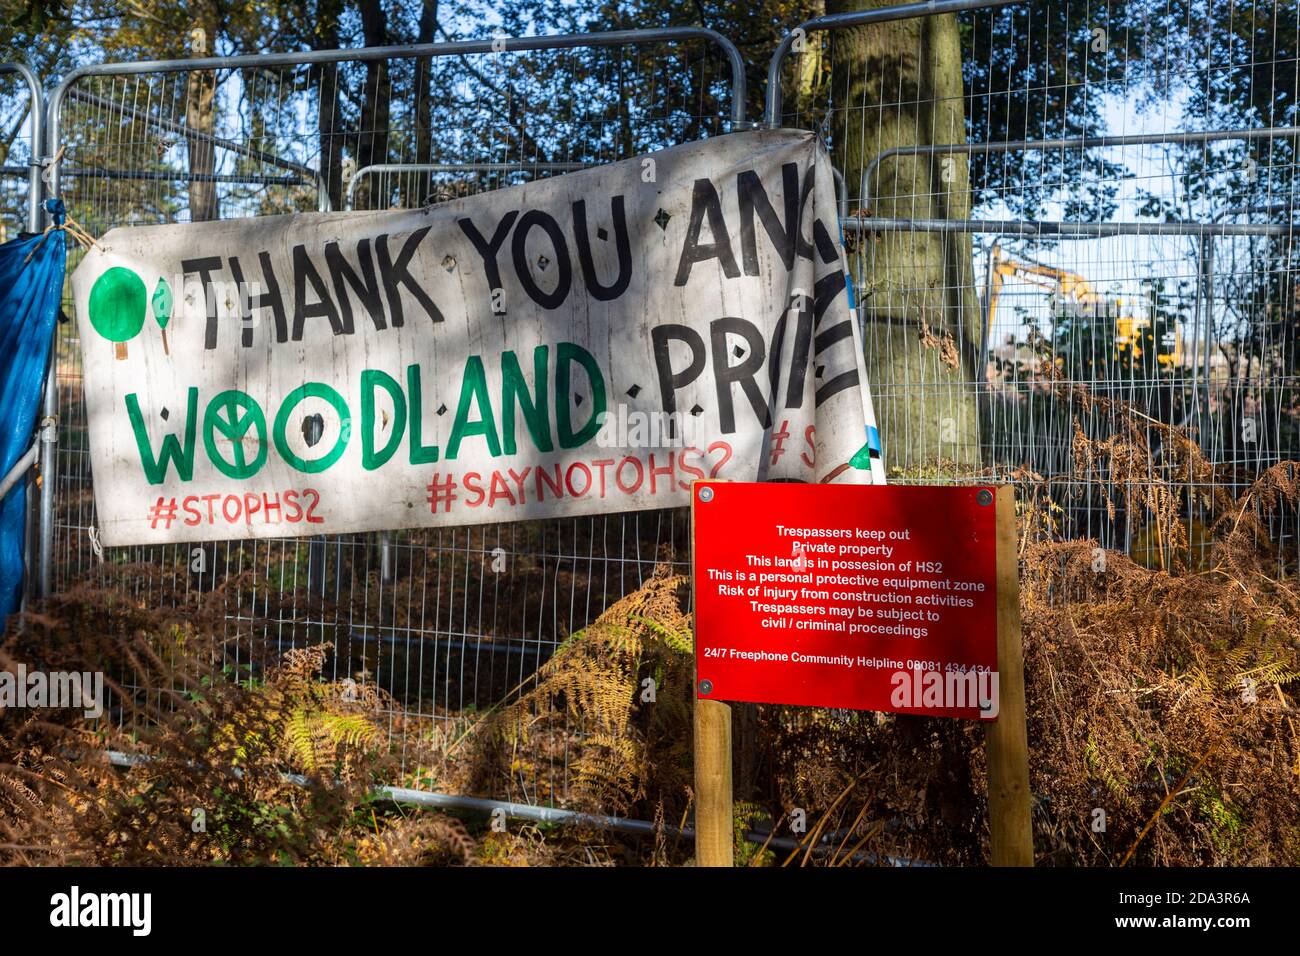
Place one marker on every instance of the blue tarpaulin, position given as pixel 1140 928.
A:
pixel 31 284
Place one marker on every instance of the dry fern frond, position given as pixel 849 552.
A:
pixel 616 698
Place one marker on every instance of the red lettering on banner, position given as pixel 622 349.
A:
pixel 805 457
pixel 556 484
pixel 618 475
pixel 666 471
pixel 568 479
pixel 471 482
pixel 695 473
pixel 519 483
pixel 499 489
pixel 600 464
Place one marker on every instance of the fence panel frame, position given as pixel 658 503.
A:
pixel 64 91
pixel 34 529
pixel 1203 232
pixel 46 122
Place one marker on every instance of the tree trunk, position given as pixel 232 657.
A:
pixel 372 143
pixel 901 84
pixel 200 114
pixel 326 37
pixel 421 186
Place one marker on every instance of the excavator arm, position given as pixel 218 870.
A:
pixel 1073 286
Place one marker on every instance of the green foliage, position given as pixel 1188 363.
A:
pixel 744 817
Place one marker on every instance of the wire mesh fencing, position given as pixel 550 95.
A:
pixel 1070 227
pixel 21 112
pixel 444 622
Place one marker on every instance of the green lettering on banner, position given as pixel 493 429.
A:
pixel 565 353
pixel 292 401
pixel 234 426
pixel 473 389
pixel 421 454
pixel 532 404
pixel 155 470
pixel 370 458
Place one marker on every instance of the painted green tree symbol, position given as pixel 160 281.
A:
pixel 161 303
pixel 118 304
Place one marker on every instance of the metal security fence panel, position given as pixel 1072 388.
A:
pixel 445 623
pixel 1070 226
pixel 1070 230
pixel 379 183
pixel 22 112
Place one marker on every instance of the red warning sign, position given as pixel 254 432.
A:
pixel 864 597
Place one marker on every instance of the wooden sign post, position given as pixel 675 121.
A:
pixel 714 838
pixel 1011 831
pixel 867 597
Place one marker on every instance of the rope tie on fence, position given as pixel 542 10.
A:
pixel 62 222
pixel 93 534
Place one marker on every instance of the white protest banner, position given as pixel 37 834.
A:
pixel 588 343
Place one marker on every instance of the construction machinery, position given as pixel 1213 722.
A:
pixel 1077 299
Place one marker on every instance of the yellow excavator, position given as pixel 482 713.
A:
pixel 1131 331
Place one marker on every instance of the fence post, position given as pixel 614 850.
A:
pixel 713 809
pixel 1011 837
